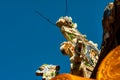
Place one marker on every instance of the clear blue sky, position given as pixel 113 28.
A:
pixel 28 41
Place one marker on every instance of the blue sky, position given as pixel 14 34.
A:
pixel 28 41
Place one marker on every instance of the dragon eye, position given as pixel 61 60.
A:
pixel 70 22
pixel 67 22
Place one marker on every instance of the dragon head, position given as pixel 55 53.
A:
pixel 66 21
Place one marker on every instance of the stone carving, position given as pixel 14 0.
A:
pixel 83 53
pixel 47 71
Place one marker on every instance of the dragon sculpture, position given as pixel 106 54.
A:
pixel 48 71
pixel 83 53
